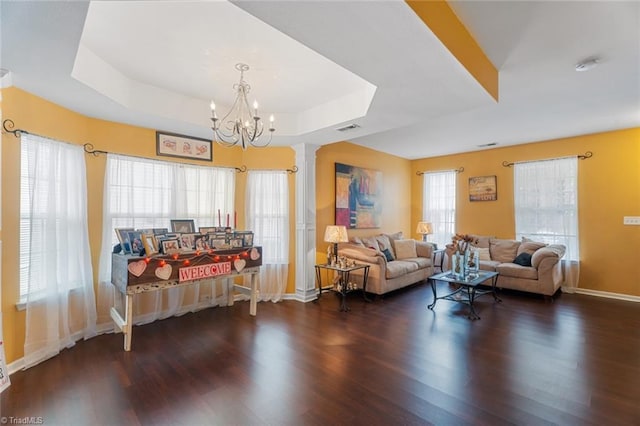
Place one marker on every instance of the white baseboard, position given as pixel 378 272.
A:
pixel 16 365
pixel 607 294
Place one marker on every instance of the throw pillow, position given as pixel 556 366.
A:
pixel 483 254
pixel 385 243
pixel 371 242
pixel 357 241
pixel 406 249
pixel 523 259
pixel 503 251
pixel 529 246
pixel 387 254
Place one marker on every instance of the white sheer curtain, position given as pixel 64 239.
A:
pixel 267 213
pixel 55 258
pixel 546 208
pixel 439 205
pixel 142 193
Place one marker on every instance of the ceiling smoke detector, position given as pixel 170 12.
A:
pixel 587 64
pixel 352 126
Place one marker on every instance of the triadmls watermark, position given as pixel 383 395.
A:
pixel 10 420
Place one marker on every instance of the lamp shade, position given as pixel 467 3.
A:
pixel 336 234
pixel 424 228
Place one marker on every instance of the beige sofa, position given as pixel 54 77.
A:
pixel 411 260
pixel 544 274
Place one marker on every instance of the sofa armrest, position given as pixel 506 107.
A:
pixel 552 251
pixel 362 254
pixel 424 249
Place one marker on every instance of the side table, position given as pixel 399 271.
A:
pixel 342 285
pixel 438 264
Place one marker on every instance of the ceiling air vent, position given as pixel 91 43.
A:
pixel 485 145
pixel 352 126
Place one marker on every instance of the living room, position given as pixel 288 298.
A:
pixel 608 190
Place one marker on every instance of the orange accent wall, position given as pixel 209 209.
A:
pixel 42 117
pixel 396 192
pixel 608 189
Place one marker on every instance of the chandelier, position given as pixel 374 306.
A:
pixel 241 124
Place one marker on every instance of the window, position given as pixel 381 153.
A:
pixel 53 217
pixel 546 202
pixel 148 193
pixel 268 214
pixel 440 205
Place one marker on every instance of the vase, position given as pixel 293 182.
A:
pixel 457 265
pixel 473 261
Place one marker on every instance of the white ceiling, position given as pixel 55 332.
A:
pixel 319 65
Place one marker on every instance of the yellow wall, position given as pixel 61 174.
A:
pixel 608 189
pixel 396 191
pixel 39 116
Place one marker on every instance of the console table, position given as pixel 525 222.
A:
pixel 134 275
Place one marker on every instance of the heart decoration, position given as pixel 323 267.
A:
pixel 254 254
pixel 164 272
pixel 239 264
pixel 137 268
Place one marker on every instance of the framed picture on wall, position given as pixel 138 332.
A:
pixel 483 188
pixel 175 145
pixel 358 197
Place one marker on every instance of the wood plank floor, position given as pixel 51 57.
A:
pixel 574 361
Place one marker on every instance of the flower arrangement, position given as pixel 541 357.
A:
pixel 461 242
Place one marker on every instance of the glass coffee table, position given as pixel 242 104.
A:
pixel 467 290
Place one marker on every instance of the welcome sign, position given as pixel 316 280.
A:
pixel 200 272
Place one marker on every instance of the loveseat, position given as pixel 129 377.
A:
pixel 394 262
pixel 525 265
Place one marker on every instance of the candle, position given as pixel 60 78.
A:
pixel 219 221
pixel 227 220
pixel 235 220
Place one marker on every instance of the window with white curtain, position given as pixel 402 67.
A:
pixel 546 209
pixel 439 205
pixel 149 193
pixel 267 212
pixel 53 213
pixel 546 202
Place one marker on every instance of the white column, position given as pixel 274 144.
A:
pixel 305 221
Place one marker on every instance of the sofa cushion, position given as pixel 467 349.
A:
pixel 422 262
pixel 385 243
pixel 517 271
pixel 406 249
pixel 530 246
pixel 483 253
pixel 503 251
pixel 400 267
pixel 393 237
pixel 489 265
pixel 523 259
pixel 482 242
pixel 357 241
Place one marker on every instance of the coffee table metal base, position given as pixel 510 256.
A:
pixel 467 291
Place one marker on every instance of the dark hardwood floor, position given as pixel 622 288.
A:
pixel 574 361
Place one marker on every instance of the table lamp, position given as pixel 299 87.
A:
pixel 336 234
pixel 425 229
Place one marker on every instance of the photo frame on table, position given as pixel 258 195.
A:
pixel 207 229
pixel 187 241
pixel 183 146
pixel 160 231
pixel 135 242
pixel 216 242
pixel 183 226
pixel 150 244
pixel 247 238
pixel 483 188
pixel 123 238
pixel 170 245
pixel 201 242
pixel 236 242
